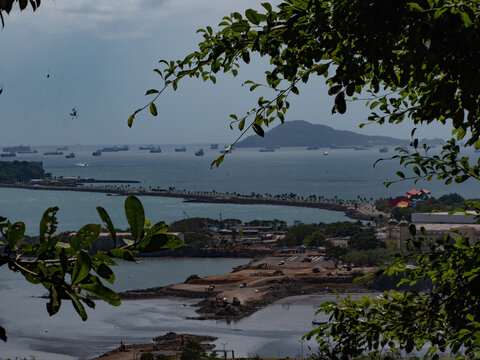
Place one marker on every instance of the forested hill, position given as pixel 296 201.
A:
pixel 20 171
pixel 303 133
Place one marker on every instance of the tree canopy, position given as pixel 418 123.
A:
pixel 414 61
pixel 406 60
pixel 7 5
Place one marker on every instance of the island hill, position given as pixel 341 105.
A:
pixel 298 133
pixel 21 171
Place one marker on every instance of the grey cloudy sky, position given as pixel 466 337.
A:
pixel 98 57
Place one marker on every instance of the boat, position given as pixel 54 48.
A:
pixel 383 149
pixel 360 148
pixel 146 147
pixel 70 156
pixel 312 148
pixel 27 152
pixel 213 146
pixel 62 148
pixel 81 164
pixel 20 148
pixel 181 149
pixel 316 322
pixel 53 153
pixel 158 149
pixel 123 148
pixel 325 153
pixel 8 154
pixel 199 152
pixel 266 150
pixel 97 153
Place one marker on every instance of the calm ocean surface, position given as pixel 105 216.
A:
pixel 344 173
pixel 274 331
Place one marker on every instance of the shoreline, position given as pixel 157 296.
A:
pixel 357 213
pixel 252 287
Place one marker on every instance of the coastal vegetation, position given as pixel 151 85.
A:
pixel 20 171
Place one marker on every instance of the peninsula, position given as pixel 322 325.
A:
pixel 258 284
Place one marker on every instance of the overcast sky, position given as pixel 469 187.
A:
pixel 98 56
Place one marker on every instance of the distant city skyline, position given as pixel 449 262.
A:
pixel 98 59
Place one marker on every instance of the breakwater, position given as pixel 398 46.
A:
pixel 351 210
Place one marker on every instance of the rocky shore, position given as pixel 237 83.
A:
pixel 252 287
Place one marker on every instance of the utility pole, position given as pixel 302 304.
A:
pixel 224 351
pixel 301 348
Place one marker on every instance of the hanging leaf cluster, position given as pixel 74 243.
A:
pixel 67 269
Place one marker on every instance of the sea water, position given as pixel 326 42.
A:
pixel 274 331
pixel 343 173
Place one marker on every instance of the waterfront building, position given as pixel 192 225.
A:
pixel 436 225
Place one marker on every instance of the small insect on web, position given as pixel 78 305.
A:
pixel 74 113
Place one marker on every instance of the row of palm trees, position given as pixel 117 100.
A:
pixel 268 196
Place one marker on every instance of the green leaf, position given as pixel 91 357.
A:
pixel 102 292
pixel 246 59
pixel 82 267
pixel 267 6
pixel 158 242
pixel 158 228
pixel 415 7
pixel 105 272
pixel 123 254
pixel 85 236
pixel 135 216
pixel 23 4
pixel 466 19
pixel 108 223
pixel 241 124
pixel 253 16
pixel 152 91
pixel 48 224
pixel 55 301
pixel 217 161
pixel 130 120
pixel 77 305
pixel 3 334
pixel 258 130
pixel 14 234
pixel 153 109
pixel 340 103
pixel 401 174
pixel 439 13
pixel 334 89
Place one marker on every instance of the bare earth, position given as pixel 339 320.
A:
pixel 253 286
pixel 244 291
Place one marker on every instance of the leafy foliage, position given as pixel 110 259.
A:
pixel 193 350
pixel 7 5
pixel 407 60
pixel 444 318
pixel 67 270
pixel 365 240
pixel 420 61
